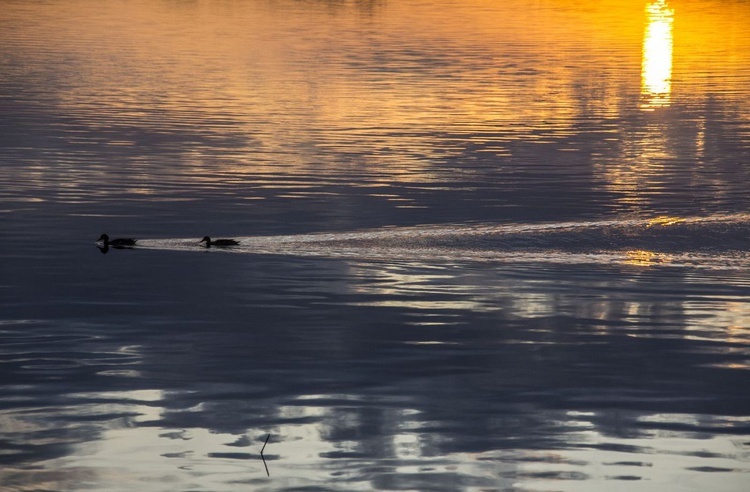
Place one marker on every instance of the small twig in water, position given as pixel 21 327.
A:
pixel 263 457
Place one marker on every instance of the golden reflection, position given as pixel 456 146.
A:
pixel 665 221
pixel 645 258
pixel 656 68
pixel 240 87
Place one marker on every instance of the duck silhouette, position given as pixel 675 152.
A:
pixel 218 242
pixel 104 243
pixel 115 243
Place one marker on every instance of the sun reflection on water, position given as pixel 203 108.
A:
pixel 656 68
pixel 644 258
pixel 665 221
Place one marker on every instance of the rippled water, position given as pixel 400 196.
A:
pixel 483 245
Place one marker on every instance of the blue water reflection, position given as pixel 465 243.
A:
pixel 485 246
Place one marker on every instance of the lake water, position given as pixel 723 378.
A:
pixel 484 245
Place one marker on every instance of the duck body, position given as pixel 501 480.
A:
pixel 116 243
pixel 218 242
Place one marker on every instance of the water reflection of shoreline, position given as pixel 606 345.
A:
pixel 497 391
pixel 656 68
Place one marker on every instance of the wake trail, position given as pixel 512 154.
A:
pixel 718 241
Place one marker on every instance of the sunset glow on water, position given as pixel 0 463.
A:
pixel 483 245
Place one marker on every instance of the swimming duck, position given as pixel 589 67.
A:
pixel 218 242
pixel 115 243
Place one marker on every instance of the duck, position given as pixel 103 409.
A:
pixel 115 243
pixel 218 242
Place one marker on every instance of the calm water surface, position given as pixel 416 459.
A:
pixel 484 245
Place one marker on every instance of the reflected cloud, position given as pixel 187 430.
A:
pixel 656 68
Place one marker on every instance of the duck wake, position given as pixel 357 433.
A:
pixel 717 242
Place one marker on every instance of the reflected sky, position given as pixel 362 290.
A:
pixel 484 245
pixel 399 86
pixel 373 373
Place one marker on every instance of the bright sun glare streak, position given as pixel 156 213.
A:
pixel 656 70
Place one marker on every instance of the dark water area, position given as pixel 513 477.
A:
pixel 483 245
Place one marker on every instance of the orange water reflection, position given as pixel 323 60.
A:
pixel 645 258
pixel 298 83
